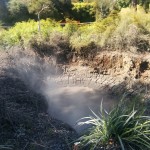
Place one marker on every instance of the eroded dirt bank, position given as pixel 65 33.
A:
pixel 136 66
pixel 132 68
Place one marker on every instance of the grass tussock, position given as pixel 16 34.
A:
pixel 124 127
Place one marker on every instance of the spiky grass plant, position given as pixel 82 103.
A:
pixel 122 128
pixel 5 147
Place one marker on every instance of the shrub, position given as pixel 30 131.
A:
pixel 81 38
pixel 49 26
pixel 117 31
pixel 61 46
pixel 71 27
pixel 84 12
pixel 132 32
pixel 23 32
pixel 124 127
pixel 98 33
pixel 104 8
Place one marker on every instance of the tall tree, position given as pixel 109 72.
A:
pixel 145 4
pixel 51 8
pixel 134 4
pixel 38 7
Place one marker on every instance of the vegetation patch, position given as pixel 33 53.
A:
pixel 84 12
pixel 124 127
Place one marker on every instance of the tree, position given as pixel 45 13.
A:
pixel 126 3
pixel 63 7
pixel 52 8
pixel 144 3
pixel 122 4
pixel 38 7
pixel 18 10
pixel 3 11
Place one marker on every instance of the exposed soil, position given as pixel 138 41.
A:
pixel 120 63
pixel 125 64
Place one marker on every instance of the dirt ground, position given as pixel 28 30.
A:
pixel 24 121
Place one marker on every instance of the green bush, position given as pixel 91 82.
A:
pixel 104 8
pixel 124 30
pixel 56 44
pixel 70 27
pixel 124 127
pixel 98 33
pixel 23 32
pixel 84 12
pixel 132 32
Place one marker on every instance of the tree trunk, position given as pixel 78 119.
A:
pixel 134 4
pixel 39 24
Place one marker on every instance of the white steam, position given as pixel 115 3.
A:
pixel 68 104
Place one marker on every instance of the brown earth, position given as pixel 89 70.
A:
pixel 132 70
pixel 135 66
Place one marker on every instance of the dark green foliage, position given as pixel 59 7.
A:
pixel 145 4
pixel 126 3
pixel 50 8
pixel 84 12
pixel 64 9
pixel 22 10
pixel 122 4
pixel 3 11
pixel 17 11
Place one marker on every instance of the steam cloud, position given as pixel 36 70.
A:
pixel 68 104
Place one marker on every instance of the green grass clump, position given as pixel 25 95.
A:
pixel 124 127
pixel 5 147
